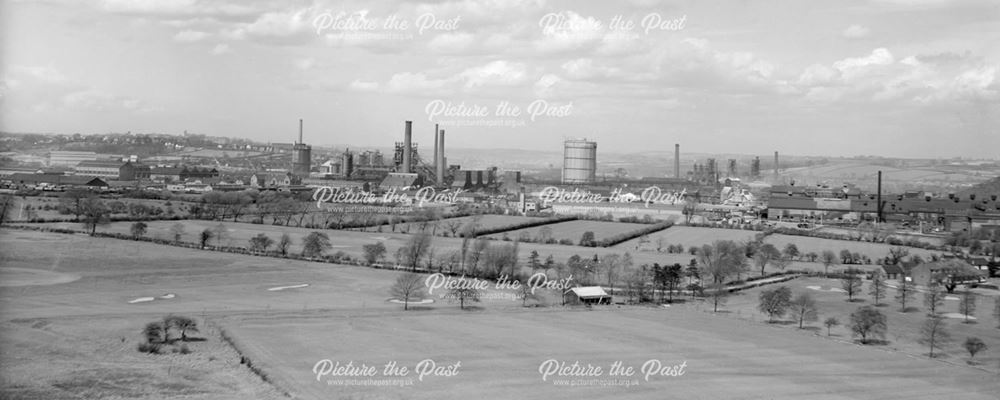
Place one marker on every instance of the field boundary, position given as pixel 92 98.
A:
pixel 257 369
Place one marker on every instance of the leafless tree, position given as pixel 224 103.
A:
pixel 408 286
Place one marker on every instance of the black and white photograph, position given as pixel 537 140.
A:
pixel 499 199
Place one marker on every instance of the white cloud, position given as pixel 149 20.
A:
pixel 499 72
pixel 451 42
pixel 190 36
pixel 304 64
pixel 855 32
pixel 221 49
pixel 363 86
pixel 100 101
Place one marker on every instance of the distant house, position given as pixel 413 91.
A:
pixel 925 274
pixel 272 180
pixel 587 295
pixel 893 272
pixel 180 174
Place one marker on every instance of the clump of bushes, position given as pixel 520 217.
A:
pixel 168 332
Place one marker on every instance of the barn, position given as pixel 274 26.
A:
pixel 586 295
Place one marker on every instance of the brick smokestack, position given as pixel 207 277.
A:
pixel 407 146
pixel 776 164
pixel 440 162
pixel 300 130
pixel 437 150
pixel 677 160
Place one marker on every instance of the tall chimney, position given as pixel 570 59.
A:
pixel 878 199
pixel 776 164
pixel 300 130
pixel 407 146
pixel 440 161
pixel 436 150
pixel 677 160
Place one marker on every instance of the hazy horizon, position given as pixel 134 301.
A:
pixel 892 78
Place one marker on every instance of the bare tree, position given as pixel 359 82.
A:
pixel 828 258
pixel 933 298
pixel 764 255
pixel 934 333
pixel 260 243
pixel 719 293
pixel 315 243
pixel 408 286
pixel 463 295
pixel 283 244
pixel 804 308
pixel 878 287
pixel 775 302
pixel 177 230
pixel 868 322
pixel 415 249
pixel 851 284
pixel 182 324
pixel 830 323
pixel 904 292
pixel 95 214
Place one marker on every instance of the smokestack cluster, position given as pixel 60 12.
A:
pixel 677 160
pixel 407 146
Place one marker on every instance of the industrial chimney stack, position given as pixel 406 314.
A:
pixel 440 162
pixel 300 130
pixel 776 164
pixel 677 160
pixel 437 150
pixel 407 146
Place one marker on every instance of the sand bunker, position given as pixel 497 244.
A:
pixel 13 276
pixel 275 289
pixel 424 301
pixel 141 300
pixel 839 290
pixel 956 315
pixel 168 296
pixel 952 298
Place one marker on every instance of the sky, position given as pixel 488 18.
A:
pixel 899 78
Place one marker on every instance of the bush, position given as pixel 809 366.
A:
pixel 150 348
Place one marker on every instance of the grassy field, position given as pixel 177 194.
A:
pixel 903 328
pixel 573 230
pixel 351 242
pixel 77 338
pixel 487 221
pixel 817 245
pixel 687 236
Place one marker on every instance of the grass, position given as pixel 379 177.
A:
pixel 903 328
pixel 574 230
pixel 487 221
pixel 66 337
pixel 817 245
pixel 688 236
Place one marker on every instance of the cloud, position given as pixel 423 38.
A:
pixel 221 49
pixel 496 73
pixel 855 32
pixel 189 36
pixel 304 64
pixel 363 86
